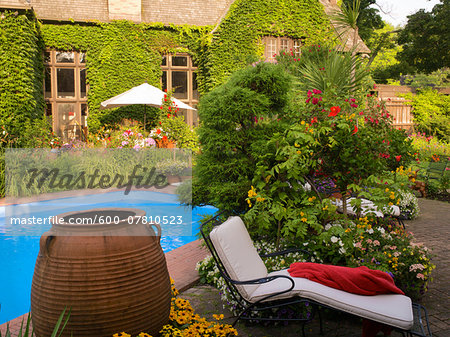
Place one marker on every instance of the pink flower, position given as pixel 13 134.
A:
pixel 353 105
pixel 376 243
pixel 318 92
pixel 124 143
pixel 315 100
pixel 421 276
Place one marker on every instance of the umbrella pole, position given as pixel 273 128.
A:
pixel 145 115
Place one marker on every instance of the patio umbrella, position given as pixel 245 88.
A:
pixel 145 94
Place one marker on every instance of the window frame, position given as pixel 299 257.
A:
pixel 274 44
pixel 53 101
pixel 191 116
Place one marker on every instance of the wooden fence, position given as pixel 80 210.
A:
pixel 397 106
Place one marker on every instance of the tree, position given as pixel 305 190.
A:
pixel 368 19
pixel 426 39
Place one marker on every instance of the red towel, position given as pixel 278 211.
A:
pixel 361 280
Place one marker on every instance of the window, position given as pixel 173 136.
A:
pixel 273 45
pixel 65 92
pixel 179 75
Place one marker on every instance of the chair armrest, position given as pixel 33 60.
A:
pixel 286 251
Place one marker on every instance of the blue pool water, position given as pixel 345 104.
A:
pixel 19 247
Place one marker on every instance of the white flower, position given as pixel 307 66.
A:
pixel 381 230
pixel 327 227
pixel 370 231
pixel 334 239
pixel 342 250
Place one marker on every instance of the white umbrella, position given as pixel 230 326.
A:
pixel 145 94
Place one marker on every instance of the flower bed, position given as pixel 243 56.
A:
pixel 184 322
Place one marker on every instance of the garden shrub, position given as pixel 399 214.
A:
pixel 431 111
pixel 232 132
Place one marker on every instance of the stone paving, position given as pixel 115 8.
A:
pixel 431 228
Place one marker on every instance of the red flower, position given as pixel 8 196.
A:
pixel 168 115
pixel 315 100
pixel 314 120
pixel 164 138
pixel 397 158
pixel 334 110
pixel 355 130
pixel 158 131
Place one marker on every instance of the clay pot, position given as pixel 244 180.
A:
pixel 112 276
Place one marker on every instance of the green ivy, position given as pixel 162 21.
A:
pixel 238 38
pixel 21 72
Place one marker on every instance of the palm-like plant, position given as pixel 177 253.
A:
pixel 346 19
pixel 331 71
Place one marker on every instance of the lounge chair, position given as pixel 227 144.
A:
pixel 257 290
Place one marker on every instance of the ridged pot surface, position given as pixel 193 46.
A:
pixel 113 278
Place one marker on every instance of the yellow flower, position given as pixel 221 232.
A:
pixel 302 123
pixel 259 199
pixel 304 219
pixel 268 178
pixel 387 189
pixel 252 192
pixel 296 145
pixel 143 334
pixel 218 317
pixel 325 208
pixel 302 214
pixel 249 203
pixel 390 204
pixel 311 199
pixel 299 152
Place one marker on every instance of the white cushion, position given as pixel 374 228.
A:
pixel 391 309
pixel 237 253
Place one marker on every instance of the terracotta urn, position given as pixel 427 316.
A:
pixel 109 271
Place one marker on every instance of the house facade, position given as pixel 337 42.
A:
pixel 80 53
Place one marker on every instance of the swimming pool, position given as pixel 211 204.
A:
pixel 19 246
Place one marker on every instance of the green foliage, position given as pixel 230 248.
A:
pixel 238 38
pixel 231 133
pixel 21 73
pixel 426 39
pixel 438 78
pixel 431 112
pixel 427 147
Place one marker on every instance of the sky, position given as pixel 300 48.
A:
pixel 398 10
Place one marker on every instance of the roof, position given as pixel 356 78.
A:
pixel 190 12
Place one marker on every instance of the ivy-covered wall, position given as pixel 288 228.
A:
pixel 21 72
pixel 119 56
pixel 238 38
